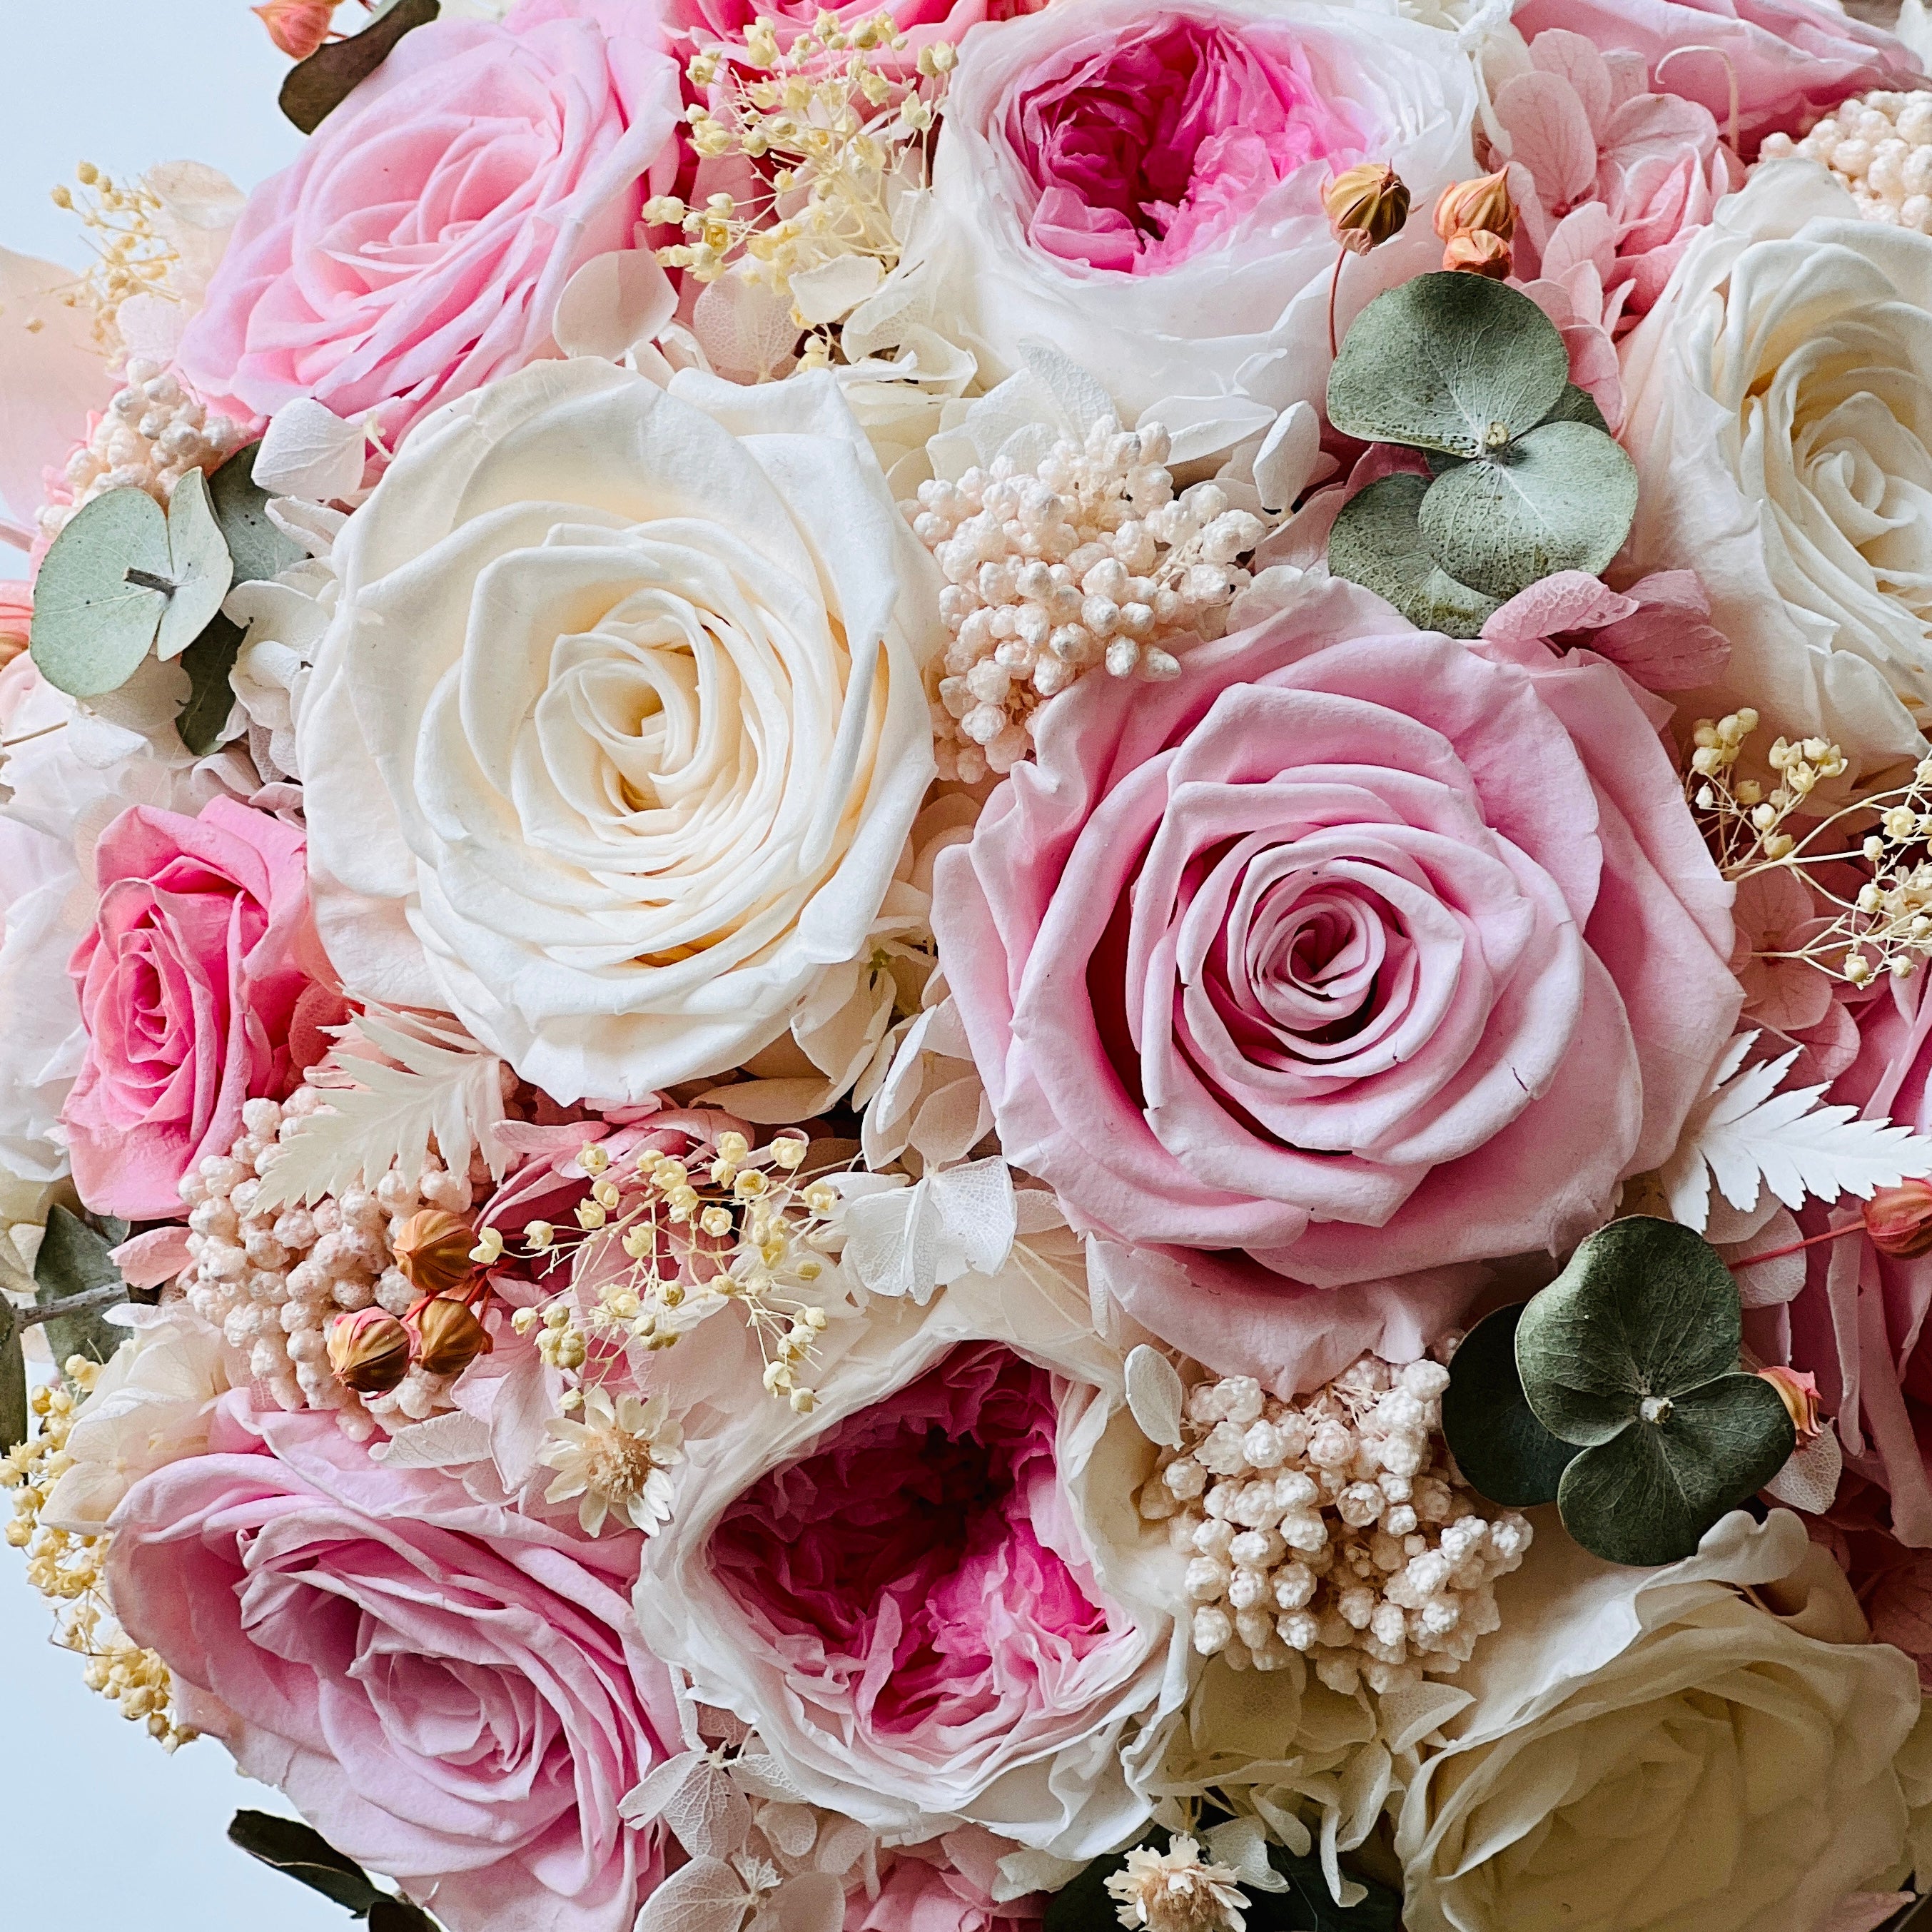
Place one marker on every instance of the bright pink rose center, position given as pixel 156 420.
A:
pixel 901 1563
pixel 1153 149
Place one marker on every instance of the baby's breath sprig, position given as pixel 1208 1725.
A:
pixel 1884 925
pixel 833 128
pixel 664 1243
pixel 132 257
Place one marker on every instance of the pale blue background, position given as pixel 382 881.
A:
pixel 100 1832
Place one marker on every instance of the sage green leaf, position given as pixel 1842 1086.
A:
pixel 1376 543
pixel 1648 1495
pixel 73 1258
pixel 304 1854
pixel 1576 405
pixel 1645 1308
pixel 1492 1431
pixel 1448 361
pixel 1560 498
pixel 199 563
pixel 13 1380
pixel 260 550
pixel 208 661
pixel 316 87
pixel 101 589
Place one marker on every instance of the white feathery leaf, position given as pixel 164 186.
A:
pixel 443 1089
pixel 1745 1135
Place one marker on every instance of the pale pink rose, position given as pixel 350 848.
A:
pixel 417 249
pixel 922 22
pixel 17 617
pixel 1793 61
pixel 188 983
pixel 453 1694
pixel 1352 948
pixel 945 1886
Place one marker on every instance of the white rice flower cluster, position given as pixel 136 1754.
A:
pixel 1090 558
pixel 152 432
pixel 1333 1525
pixel 274 1282
pixel 1880 147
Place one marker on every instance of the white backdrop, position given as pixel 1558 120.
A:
pixel 103 1833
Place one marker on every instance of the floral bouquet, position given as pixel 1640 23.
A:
pixel 965 967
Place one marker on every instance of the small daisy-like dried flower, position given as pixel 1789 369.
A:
pixel 616 1460
pixel 1173 1891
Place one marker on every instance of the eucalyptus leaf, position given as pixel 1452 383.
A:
pixel 1491 1429
pixel 1560 498
pixel 1648 1495
pixel 74 1258
pixel 258 549
pixel 1645 1308
pixel 1448 361
pixel 198 561
pixel 93 621
pixel 208 661
pixel 304 1854
pixel 1376 542
pixel 316 87
pixel 399 1915
pixel 13 1380
pixel 1308 1905
pixel 1576 405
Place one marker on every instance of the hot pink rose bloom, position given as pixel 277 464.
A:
pixel 417 249
pixel 1353 948
pixel 1794 62
pixel 452 1694
pixel 188 984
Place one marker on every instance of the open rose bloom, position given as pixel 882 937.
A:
pixel 963 964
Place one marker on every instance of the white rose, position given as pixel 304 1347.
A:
pixel 1221 322
pixel 1657 1750
pixel 1052 1744
pixel 617 732
pixel 1779 410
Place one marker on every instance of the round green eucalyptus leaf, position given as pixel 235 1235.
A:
pixel 259 551
pixel 1375 542
pixel 1576 405
pixel 1560 498
pixel 199 564
pixel 1645 1308
pixel 1648 1495
pixel 91 627
pixel 1448 361
pixel 1492 1431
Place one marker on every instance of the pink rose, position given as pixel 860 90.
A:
pixel 417 250
pixel 922 22
pixel 1353 948
pixel 946 1886
pixel 1793 61
pixel 452 1693
pixel 188 984
pixel 17 618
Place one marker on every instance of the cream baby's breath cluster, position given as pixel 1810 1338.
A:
pixel 1092 558
pixel 1880 148
pixel 1334 1526
pixel 132 255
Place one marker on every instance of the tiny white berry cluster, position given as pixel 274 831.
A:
pixel 274 1282
pixel 1091 558
pixel 1880 147
pixel 1332 1526
pixel 152 432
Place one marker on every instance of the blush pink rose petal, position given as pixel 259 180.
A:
pixel 417 249
pixel 452 1694
pixel 188 986
pixel 1357 949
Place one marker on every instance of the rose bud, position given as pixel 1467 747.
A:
pixel 297 27
pixel 369 1350
pixel 447 1334
pixel 1798 1392
pixel 432 1249
pixel 1366 205
pixel 1464 207
pixel 1899 1219
pixel 1478 253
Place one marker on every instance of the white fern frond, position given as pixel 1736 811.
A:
pixel 443 1089
pixel 1745 1135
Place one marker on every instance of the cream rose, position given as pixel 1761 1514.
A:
pixel 1779 410
pixel 1703 1748
pixel 616 734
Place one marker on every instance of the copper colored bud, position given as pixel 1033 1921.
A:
pixel 1798 1392
pixel 1479 253
pixel 369 1350
pixel 297 27
pixel 1484 203
pixel 433 1249
pixel 1365 205
pixel 1899 1219
pixel 448 1335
